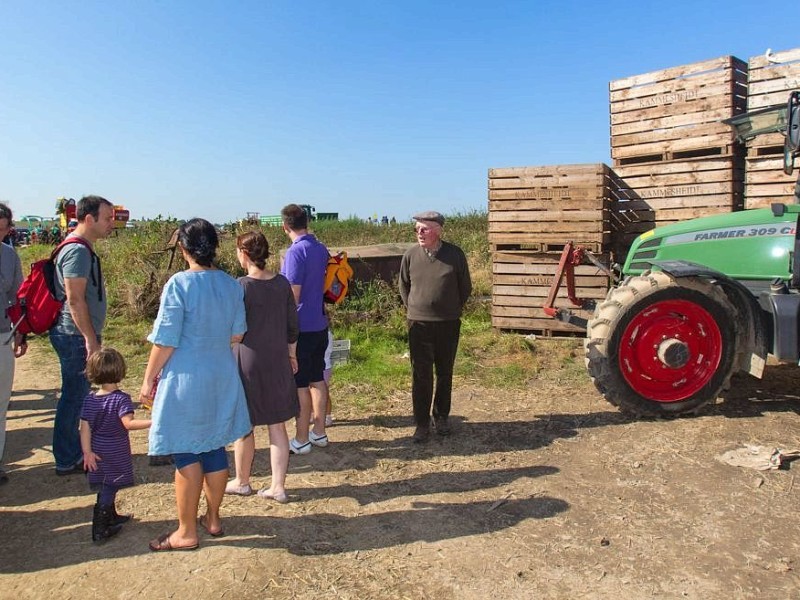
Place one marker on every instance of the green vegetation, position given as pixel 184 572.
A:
pixel 136 264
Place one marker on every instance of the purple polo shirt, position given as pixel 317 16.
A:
pixel 304 264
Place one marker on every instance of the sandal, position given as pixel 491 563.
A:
pixel 202 522
pixel 162 544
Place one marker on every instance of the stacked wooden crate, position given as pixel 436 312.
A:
pixel 533 213
pixel 668 143
pixel 771 78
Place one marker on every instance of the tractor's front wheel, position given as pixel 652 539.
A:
pixel 660 347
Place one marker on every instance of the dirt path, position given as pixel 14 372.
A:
pixel 548 493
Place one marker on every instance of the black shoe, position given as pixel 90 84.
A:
pixel 118 519
pixel 102 526
pixel 442 427
pixel 76 468
pixel 421 434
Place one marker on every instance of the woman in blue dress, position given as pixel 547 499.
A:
pixel 199 405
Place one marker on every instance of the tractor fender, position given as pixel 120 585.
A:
pixel 751 322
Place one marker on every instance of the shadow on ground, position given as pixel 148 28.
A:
pixel 777 391
pixel 310 534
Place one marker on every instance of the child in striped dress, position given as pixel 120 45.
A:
pixel 106 418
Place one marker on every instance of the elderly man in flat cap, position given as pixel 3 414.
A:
pixel 434 285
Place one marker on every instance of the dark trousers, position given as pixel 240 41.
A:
pixel 432 346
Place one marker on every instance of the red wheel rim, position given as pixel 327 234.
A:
pixel 681 323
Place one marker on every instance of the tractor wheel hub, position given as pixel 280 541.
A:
pixel 673 353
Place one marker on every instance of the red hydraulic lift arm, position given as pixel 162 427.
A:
pixel 570 257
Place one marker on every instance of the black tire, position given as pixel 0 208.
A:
pixel 608 331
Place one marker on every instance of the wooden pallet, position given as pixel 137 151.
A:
pixel 766 183
pixel 769 83
pixel 681 190
pixel 676 113
pixel 521 283
pixel 539 327
pixel 554 182
pixel 544 247
pixel 599 240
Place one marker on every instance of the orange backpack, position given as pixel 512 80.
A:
pixel 337 278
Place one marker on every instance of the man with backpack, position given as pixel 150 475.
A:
pixel 77 331
pixel 304 265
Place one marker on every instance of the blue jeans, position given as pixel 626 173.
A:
pixel 71 350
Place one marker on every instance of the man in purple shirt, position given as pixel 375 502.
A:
pixel 304 266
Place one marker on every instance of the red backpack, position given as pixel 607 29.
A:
pixel 37 306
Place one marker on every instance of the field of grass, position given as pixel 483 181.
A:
pixel 136 264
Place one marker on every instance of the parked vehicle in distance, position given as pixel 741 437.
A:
pixel 121 216
pixel 312 213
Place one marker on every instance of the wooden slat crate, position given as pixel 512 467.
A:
pixel 675 113
pixel 766 183
pixel 681 190
pixel 542 327
pixel 521 282
pixel 770 81
pixel 544 247
pixel 536 207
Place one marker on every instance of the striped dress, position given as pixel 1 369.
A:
pixel 110 439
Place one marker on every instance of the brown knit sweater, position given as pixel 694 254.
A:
pixel 434 289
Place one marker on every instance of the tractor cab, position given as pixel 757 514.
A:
pixel 783 119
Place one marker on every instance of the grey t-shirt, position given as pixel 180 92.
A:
pixel 10 280
pixel 75 260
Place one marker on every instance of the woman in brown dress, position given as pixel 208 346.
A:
pixel 267 362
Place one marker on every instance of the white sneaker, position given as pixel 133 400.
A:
pixel 296 447
pixel 317 440
pixel 328 420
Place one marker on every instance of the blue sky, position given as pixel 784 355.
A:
pixel 215 109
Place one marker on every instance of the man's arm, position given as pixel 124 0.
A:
pixel 404 279
pixel 20 345
pixel 296 289
pixel 75 289
pixel 464 281
pixel 18 277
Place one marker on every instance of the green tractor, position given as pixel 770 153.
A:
pixel 701 300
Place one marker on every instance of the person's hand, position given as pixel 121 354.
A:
pixel 90 460
pixel 146 395
pixel 92 346
pixel 20 345
pixel 293 362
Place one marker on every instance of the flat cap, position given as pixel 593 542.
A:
pixel 430 215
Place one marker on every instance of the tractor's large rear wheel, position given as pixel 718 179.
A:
pixel 660 347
